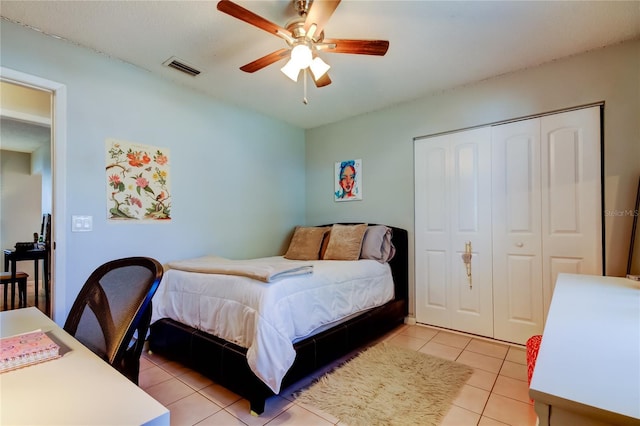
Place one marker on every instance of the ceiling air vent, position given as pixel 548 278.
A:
pixel 181 65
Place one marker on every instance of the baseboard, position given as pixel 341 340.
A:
pixel 410 320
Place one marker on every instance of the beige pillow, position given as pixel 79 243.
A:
pixel 305 243
pixel 345 242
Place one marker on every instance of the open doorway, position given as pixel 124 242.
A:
pixel 18 108
pixel 26 190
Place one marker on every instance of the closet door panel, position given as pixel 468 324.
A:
pixel 465 186
pixel 519 185
pixel 472 297
pixel 517 245
pixel 563 168
pixel 562 265
pixel 435 271
pixel 453 207
pixel 468 301
pixel 524 291
pixel 435 181
pixel 571 198
pixel 432 225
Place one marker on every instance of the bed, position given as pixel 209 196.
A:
pixel 192 325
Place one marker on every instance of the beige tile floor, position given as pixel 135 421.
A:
pixel 496 394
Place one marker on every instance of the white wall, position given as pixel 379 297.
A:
pixel 41 165
pixel 232 171
pixel 384 139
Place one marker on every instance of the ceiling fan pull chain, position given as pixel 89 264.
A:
pixel 304 98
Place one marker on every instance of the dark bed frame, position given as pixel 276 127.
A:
pixel 226 363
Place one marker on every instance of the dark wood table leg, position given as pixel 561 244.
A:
pixel 13 283
pixel 35 271
pixel 46 279
pixel 22 287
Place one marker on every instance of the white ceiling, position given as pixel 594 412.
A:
pixel 25 118
pixel 434 45
pixel 21 136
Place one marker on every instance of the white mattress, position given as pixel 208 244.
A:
pixel 266 318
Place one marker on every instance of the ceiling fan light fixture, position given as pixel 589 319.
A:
pixel 291 70
pixel 301 55
pixel 301 58
pixel 319 67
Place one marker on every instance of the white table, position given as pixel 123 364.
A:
pixel 588 367
pixel 79 388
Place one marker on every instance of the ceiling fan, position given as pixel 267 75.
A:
pixel 305 39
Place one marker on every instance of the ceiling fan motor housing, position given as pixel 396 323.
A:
pixel 302 6
pixel 296 27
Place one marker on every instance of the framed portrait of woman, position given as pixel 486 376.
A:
pixel 348 180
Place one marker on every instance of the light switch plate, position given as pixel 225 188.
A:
pixel 81 223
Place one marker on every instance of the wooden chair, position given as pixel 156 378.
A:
pixel 21 279
pixel 112 312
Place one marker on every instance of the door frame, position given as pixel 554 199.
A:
pixel 58 166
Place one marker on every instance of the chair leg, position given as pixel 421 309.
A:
pixel 22 292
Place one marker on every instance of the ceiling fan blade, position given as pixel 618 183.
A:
pixel 356 47
pixel 239 12
pixel 324 80
pixel 269 59
pixel 319 14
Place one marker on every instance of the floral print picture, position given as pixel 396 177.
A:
pixel 137 182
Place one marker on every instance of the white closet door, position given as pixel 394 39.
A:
pixel 571 196
pixel 546 214
pixel 453 207
pixel 517 239
pixel 432 240
pixel 470 214
pixel 527 196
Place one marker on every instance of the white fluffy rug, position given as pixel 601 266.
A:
pixel 389 385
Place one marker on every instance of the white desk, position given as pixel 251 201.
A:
pixel 78 388
pixel 588 367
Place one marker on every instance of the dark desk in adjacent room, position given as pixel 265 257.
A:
pixel 12 256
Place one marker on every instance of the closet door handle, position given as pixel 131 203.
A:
pixel 466 258
pixel 520 244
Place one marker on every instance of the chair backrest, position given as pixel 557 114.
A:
pixel 114 304
pixel 45 229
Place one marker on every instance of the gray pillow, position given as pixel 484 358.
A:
pixel 377 244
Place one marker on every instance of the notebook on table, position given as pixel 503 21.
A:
pixel 26 349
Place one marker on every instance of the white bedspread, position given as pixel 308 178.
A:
pixel 266 318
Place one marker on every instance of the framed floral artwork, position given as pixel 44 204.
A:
pixel 137 182
pixel 348 180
